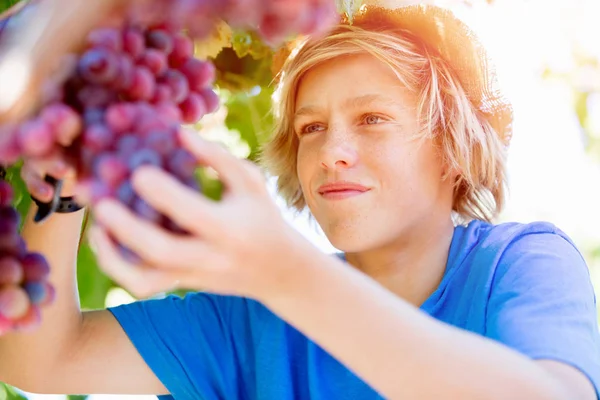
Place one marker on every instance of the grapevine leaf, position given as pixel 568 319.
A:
pixel 350 7
pixel 241 74
pixel 249 114
pixel 220 38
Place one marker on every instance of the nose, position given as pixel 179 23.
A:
pixel 338 150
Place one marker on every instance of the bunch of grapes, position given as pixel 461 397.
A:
pixel 24 286
pixel 129 93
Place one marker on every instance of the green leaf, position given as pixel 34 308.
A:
pixel 250 114
pixel 211 186
pixel 349 7
pixel 22 199
pixel 93 283
pixel 236 73
pixel 241 43
pixel 10 393
pixel 581 108
pixel 6 4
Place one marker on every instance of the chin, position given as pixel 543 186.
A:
pixel 351 240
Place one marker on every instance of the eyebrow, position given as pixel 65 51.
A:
pixel 354 102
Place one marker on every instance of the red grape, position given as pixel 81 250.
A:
pixel 133 42
pixel 64 122
pixel 143 84
pixel 178 84
pixel 128 144
pixel 121 117
pixel 183 49
pixel 99 66
pixel 144 156
pixel 145 211
pixel 6 325
pixel 11 271
pixel 50 293
pixel 162 94
pixel 94 96
pixel 35 138
pixel 30 321
pixel 164 143
pixel 193 108
pixel 200 74
pixel 109 38
pixel 10 149
pixel 93 116
pixel 14 302
pixel 98 137
pixel 126 75
pixel 36 292
pixel 168 112
pixel 10 218
pixel 111 169
pixel 161 40
pixel 182 163
pixel 35 267
pixel 125 193
pixel 155 60
pixel 6 194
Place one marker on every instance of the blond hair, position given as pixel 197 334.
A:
pixel 471 147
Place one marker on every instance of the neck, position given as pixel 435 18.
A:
pixel 412 267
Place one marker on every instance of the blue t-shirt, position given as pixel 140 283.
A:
pixel 524 285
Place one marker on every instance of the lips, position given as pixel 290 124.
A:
pixel 340 190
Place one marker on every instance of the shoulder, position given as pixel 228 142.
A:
pixel 172 313
pixel 504 235
pixel 507 242
pixel 524 255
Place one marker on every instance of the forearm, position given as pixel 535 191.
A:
pixel 23 356
pixel 397 349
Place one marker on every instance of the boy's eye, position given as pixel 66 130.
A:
pixel 372 119
pixel 309 128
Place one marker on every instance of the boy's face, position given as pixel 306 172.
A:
pixel 356 124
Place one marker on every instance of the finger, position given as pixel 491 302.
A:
pixel 57 166
pixel 187 208
pixel 38 188
pixel 150 242
pixel 54 164
pixel 140 280
pixel 233 172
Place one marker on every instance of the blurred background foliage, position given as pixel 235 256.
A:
pixel 245 85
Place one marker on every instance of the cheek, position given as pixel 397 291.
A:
pixel 406 174
pixel 304 166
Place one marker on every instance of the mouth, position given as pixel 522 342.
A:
pixel 341 190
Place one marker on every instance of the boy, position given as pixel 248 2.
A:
pixel 390 131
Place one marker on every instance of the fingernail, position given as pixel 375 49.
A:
pixel 60 168
pixel 44 191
